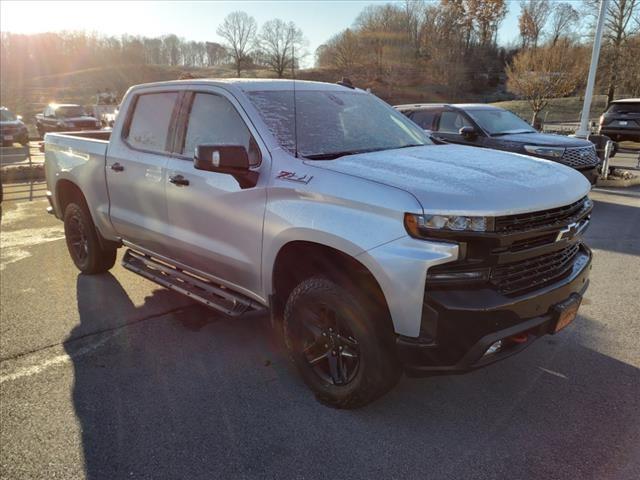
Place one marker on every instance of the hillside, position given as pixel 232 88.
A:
pixel 559 109
pixel 29 97
pixel 81 86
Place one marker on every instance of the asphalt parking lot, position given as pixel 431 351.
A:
pixel 110 376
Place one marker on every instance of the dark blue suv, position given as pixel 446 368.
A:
pixel 481 125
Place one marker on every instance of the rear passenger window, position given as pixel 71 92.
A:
pixel 213 120
pixel 424 118
pixel 149 127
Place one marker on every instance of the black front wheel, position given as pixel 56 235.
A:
pixel 342 350
pixel 82 242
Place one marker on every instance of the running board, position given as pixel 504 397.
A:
pixel 201 290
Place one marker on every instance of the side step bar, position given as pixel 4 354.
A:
pixel 201 290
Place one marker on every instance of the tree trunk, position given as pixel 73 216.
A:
pixel 535 121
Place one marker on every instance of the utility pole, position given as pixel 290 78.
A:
pixel 583 131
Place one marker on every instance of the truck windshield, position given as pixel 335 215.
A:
pixel 75 111
pixel 331 124
pixel 500 122
pixel 7 116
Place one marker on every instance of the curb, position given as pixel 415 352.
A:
pixel 21 173
pixel 618 183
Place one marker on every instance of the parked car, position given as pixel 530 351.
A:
pixel 621 120
pixel 373 249
pixel 12 128
pixel 65 117
pixel 481 125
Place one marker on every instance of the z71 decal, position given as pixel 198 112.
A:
pixel 293 177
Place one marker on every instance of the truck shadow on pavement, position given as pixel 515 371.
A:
pixel 619 233
pixel 190 395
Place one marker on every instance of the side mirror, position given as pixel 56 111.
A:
pixel 468 133
pixel 229 159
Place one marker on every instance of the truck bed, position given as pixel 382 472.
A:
pixel 80 158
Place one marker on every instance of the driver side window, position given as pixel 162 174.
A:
pixel 452 122
pixel 214 120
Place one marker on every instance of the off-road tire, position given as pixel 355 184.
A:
pixel 83 243
pixel 378 369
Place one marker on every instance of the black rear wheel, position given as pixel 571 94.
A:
pixel 340 348
pixel 82 241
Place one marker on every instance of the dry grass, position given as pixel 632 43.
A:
pixel 559 109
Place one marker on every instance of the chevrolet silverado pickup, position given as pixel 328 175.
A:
pixel 375 251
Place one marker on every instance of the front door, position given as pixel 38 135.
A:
pixel 449 125
pixel 136 170
pixel 215 225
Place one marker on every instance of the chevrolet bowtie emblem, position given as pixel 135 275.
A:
pixel 568 232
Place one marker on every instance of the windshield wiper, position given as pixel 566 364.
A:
pixel 413 145
pixel 334 155
pixel 499 134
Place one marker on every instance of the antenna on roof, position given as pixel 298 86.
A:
pixel 295 110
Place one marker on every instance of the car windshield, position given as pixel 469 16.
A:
pixel 75 111
pixel 624 108
pixel 330 124
pixel 7 116
pixel 500 122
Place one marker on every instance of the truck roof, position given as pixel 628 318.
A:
pixel 252 84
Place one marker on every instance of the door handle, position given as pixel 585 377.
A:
pixel 178 180
pixel 116 167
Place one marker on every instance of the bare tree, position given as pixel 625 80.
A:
pixel 281 43
pixel 342 51
pixel 620 22
pixel 533 17
pixel 239 30
pixel 216 53
pixel 563 19
pixel 543 73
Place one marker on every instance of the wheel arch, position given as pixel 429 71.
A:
pixel 298 260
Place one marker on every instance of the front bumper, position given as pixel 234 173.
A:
pixel 591 174
pixel 465 323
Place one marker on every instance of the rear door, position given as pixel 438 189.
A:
pixel 215 225
pixel 136 169
pixel 425 118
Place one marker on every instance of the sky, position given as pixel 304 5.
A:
pixel 198 21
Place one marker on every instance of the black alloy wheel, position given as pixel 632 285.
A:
pixel 329 346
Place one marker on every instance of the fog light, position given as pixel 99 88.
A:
pixel 494 348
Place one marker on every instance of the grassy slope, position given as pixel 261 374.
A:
pixel 559 109
pixel 81 86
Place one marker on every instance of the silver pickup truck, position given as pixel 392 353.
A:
pixel 375 251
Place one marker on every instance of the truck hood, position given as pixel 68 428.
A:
pixel 455 179
pixel 543 140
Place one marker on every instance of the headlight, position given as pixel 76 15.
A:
pixel 98 123
pixel 553 152
pixel 419 225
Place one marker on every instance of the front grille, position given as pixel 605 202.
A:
pixel 580 157
pixel 9 130
pixel 534 272
pixel 545 218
